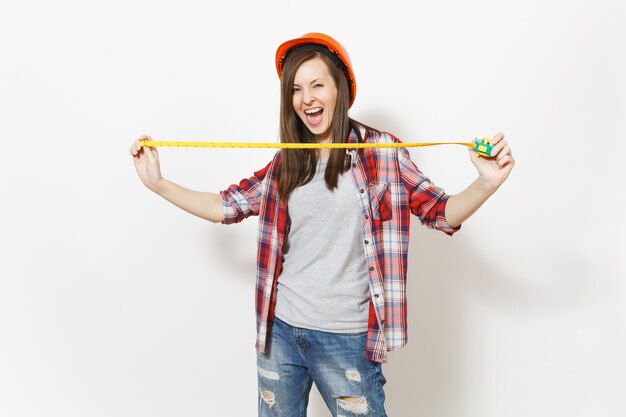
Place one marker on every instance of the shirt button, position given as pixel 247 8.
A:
pixel 371 268
pixel 382 322
pixel 367 217
pixel 353 165
pixel 367 241
pixel 376 295
pixel 362 190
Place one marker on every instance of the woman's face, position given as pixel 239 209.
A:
pixel 315 97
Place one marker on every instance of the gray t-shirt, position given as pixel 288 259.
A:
pixel 324 283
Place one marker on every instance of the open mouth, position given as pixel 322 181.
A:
pixel 314 116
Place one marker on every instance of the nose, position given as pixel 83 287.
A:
pixel 307 96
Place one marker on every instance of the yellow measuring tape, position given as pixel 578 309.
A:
pixel 482 146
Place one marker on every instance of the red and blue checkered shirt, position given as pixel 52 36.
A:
pixel 390 187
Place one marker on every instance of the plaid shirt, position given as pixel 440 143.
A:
pixel 390 187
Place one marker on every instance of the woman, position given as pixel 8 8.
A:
pixel 333 236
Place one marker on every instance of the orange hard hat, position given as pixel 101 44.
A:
pixel 336 51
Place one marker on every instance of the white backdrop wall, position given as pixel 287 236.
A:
pixel 115 303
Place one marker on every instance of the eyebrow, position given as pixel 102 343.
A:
pixel 312 81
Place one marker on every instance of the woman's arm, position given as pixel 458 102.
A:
pixel 205 205
pixel 492 172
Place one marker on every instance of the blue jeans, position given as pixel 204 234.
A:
pixel 350 384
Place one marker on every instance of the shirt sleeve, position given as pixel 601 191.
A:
pixel 240 201
pixel 426 200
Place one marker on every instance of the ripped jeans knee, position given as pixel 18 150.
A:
pixel 350 384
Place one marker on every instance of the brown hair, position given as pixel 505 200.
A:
pixel 298 165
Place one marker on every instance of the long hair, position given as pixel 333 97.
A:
pixel 298 165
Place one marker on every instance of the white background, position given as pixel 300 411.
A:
pixel 115 303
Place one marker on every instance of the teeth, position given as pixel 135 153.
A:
pixel 311 111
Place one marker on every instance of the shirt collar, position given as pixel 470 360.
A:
pixel 352 138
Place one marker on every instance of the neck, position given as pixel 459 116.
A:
pixel 323 153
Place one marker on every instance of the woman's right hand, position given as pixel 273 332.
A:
pixel 147 164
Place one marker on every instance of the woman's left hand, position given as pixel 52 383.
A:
pixel 494 170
